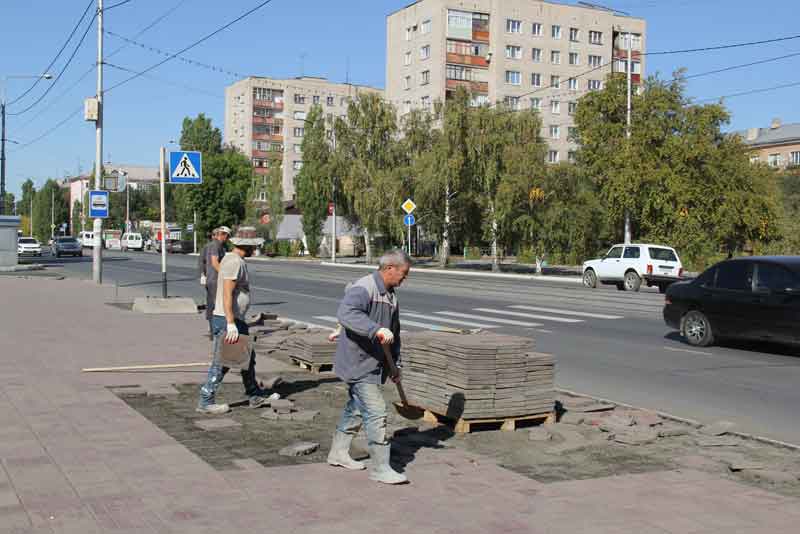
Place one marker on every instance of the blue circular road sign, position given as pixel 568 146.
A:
pixel 409 220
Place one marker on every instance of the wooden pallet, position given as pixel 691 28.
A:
pixel 315 368
pixel 506 424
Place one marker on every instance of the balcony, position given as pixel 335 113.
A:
pixel 464 59
pixel 473 87
pixel 267 137
pixel 481 36
pixel 268 120
pixel 268 104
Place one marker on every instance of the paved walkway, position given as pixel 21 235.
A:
pixel 75 458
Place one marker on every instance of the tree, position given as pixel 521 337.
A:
pixel 77 211
pixel 199 134
pixel 51 196
pixel 8 203
pixel 28 192
pixel 313 182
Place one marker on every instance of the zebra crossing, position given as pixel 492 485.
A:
pixel 519 315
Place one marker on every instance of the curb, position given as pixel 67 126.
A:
pixel 529 277
pixel 690 422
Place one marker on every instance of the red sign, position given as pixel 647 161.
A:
pixel 330 208
pixel 265 218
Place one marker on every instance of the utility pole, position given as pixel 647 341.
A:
pixel 161 159
pixel 127 207
pixel 3 154
pixel 333 201
pixel 97 250
pixel 194 231
pixel 31 221
pixel 628 70
pixel 52 213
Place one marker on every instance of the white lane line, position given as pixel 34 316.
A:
pixel 313 325
pixel 426 326
pixel 567 312
pixel 543 331
pixel 445 320
pixel 689 351
pixel 489 319
pixel 529 315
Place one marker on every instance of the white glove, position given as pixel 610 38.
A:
pixel 385 336
pixel 233 334
pixel 202 279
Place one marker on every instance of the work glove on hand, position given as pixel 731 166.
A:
pixel 232 336
pixel 385 336
pixel 202 279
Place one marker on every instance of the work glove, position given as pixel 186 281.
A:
pixel 232 336
pixel 333 336
pixel 385 336
pixel 202 279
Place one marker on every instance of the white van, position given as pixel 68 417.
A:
pixel 132 241
pixel 86 239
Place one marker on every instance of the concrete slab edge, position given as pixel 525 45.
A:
pixel 453 272
pixel 677 419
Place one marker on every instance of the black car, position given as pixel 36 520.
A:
pixel 756 297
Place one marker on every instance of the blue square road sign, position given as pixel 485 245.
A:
pixel 98 204
pixel 185 167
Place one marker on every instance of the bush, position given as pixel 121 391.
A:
pixel 472 253
pixel 526 256
pixel 283 248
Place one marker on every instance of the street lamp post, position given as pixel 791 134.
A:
pixel 3 138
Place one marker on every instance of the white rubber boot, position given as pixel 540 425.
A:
pixel 381 470
pixel 340 453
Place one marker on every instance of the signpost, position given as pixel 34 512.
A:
pixel 409 220
pixel 98 204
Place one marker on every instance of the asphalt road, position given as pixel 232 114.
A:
pixel 608 343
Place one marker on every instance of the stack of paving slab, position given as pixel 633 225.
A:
pixel 477 376
pixel 312 347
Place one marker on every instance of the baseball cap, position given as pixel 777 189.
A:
pixel 224 229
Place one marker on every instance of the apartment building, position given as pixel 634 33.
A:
pixel 778 146
pixel 265 119
pixel 521 53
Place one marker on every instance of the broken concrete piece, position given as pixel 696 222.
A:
pixel 745 465
pixel 590 407
pixel 302 448
pixel 539 433
pixel 717 429
pixel 165 390
pixel 285 416
pixel 634 436
pixel 571 418
pixel 282 405
pixel 272 415
pixel 771 476
pixel 566 440
pixel 305 415
pixel 716 441
pixel 616 423
pixel 672 432
pixel 646 418
pixel 216 424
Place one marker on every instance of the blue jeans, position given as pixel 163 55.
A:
pixel 365 403
pixel 217 372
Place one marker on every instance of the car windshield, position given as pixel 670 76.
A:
pixel 28 241
pixel 67 240
pixel 662 254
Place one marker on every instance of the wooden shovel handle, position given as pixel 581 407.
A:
pixel 387 356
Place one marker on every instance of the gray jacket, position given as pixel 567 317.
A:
pixel 367 306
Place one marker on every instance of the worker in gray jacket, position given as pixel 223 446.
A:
pixel 370 317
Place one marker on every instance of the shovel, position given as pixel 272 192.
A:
pixel 403 407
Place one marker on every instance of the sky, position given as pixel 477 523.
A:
pixel 338 40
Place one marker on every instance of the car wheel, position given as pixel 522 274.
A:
pixel 632 281
pixel 620 286
pixel 590 279
pixel 696 328
pixel 662 288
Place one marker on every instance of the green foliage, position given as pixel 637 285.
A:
pixel 50 196
pixel 28 192
pixel 199 134
pixel 313 183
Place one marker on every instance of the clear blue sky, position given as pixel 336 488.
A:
pixel 319 36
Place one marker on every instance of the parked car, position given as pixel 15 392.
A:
pixel 756 297
pixel 86 239
pixel 175 246
pixel 28 246
pixel 628 266
pixel 132 241
pixel 66 246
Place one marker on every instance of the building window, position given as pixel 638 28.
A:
pixel 407 59
pixel 595 61
pixel 513 77
pixel 574 35
pixel 425 27
pixel 536 29
pixel 754 159
pixel 407 106
pixel 298 149
pixel 555 107
pixel 513 52
pixel 408 34
pixel 621 65
pixel 459 24
pixel 276 147
pixel 572 83
pixel 479 100
pixel 571 156
pixel 512 102
pixel 513 26
pixel 329 101
pixel 536 79
pixel 595 37
pixel 298 132
pixel 555 57
pixel 555 131
pixel 299 115
pixel 407 83
pixel 425 77
pixel 425 52
pixel 536 55
pixel 299 99
pixel 536 103
pixel 555 81
pixel 552 156
pixel 572 133
pixel 794 158
pixel 595 85
pixel 555 31
pixel 574 58
pixel 262 196
pixel 774 160
pixel 316 100
pixel 458 72
pixel 297 165
pixel 426 102
pixel 467 49
pixel 572 108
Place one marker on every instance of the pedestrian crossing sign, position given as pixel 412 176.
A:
pixel 185 167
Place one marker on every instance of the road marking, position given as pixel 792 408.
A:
pixel 689 351
pixel 445 320
pixel 567 312
pixel 489 319
pixel 529 315
pixel 426 326
pixel 543 331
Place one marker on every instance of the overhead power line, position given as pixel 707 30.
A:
pixel 58 54
pixel 182 86
pixel 160 18
pixel 118 4
pixel 722 47
pixel 751 92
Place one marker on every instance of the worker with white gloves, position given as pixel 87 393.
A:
pixel 369 316
pixel 228 322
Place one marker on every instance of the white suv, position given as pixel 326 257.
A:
pixel 627 266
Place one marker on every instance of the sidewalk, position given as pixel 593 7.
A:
pixel 75 458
